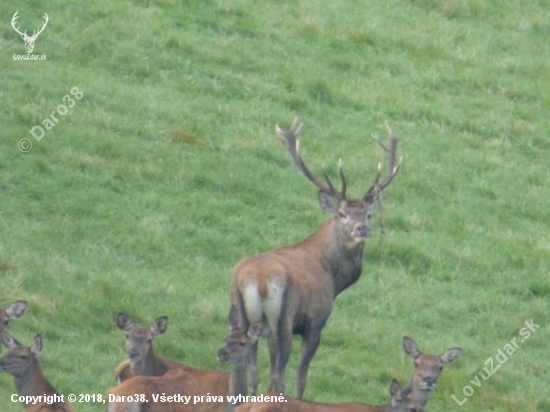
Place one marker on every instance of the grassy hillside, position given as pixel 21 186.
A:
pixel 167 172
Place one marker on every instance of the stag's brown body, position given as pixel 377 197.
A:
pixel 22 363
pixel 292 289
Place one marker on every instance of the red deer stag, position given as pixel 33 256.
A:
pixel 292 288
pixel 427 369
pixel 399 403
pixel 199 390
pixel 14 311
pixel 32 386
pixel 142 359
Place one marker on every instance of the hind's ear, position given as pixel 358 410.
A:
pixel 450 355
pixel 410 347
pixel 159 326
pixel 17 309
pixel 8 341
pixel 124 322
pixel 36 345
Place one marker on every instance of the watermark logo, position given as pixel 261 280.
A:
pixel 501 357
pixel 38 132
pixel 29 40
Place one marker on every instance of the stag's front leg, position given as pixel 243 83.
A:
pixel 310 342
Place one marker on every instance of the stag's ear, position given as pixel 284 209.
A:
pixel 328 202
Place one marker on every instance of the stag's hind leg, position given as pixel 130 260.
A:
pixel 310 343
pixel 283 345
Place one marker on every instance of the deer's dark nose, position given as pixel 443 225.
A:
pixel 429 381
pixel 222 355
pixel 362 230
pixel 132 354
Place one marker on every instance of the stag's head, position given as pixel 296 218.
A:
pixel 352 214
pixel 29 40
pixel 139 339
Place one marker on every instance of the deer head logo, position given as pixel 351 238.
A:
pixel 29 40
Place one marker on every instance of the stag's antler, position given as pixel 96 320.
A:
pixel 377 187
pixel 288 139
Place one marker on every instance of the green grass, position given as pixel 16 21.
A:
pixel 167 172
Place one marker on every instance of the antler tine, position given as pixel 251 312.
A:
pixel 392 167
pixel 288 139
pixel 374 187
pixel 342 178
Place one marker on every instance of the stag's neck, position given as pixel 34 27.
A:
pixel 151 365
pixel 420 396
pixel 33 382
pixel 342 259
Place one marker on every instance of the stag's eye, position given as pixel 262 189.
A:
pixel 342 214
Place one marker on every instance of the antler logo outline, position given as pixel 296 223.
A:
pixel 29 40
